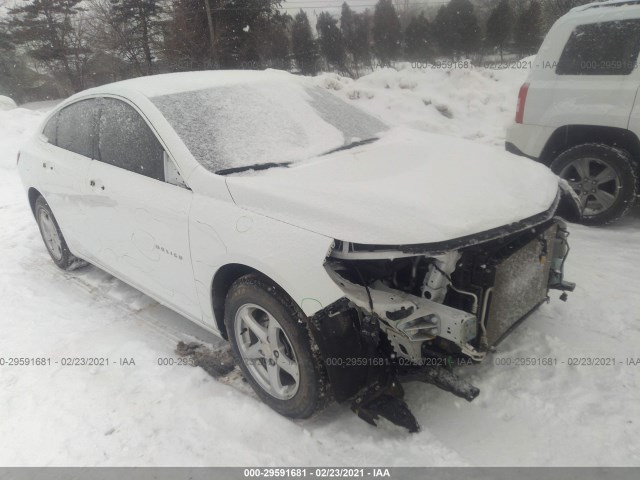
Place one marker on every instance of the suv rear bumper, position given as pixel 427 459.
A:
pixel 527 140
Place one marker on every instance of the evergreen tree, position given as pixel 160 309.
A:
pixel 50 33
pixel 8 60
pixel 355 28
pixel 304 47
pixel 236 34
pixel 330 40
pixel 554 9
pixel 187 41
pixel 499 26
pixel 274 40
pixel 467 30
pixel 347 28
pixel 138 21
pixel 456 28
pixel 387 35
pixel 361 48
pixel 418 38
pixel 444 31
pixel 239 32
pixel 528 34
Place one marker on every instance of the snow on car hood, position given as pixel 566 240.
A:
pixel 406 188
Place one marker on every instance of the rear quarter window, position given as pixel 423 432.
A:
pixel 50 130
pixel 606 48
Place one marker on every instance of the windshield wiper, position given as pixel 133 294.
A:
pixel 352 145
pixel 257 166
pixel 266 166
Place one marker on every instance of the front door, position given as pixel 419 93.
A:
pixel 139 222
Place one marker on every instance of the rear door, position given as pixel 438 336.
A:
pixel 71 135
pixel 139 221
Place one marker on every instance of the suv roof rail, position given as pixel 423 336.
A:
pixel 607 3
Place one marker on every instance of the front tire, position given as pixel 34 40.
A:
pixel 603 177
pixel 272 345
pixel 53 238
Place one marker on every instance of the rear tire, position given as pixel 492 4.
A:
pixel 53 238
pixel 604 178
pixel 272 345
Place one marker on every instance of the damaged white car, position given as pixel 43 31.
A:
pixel 338 256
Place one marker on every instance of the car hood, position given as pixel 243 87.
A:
pixel 405 188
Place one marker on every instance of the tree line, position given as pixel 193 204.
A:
pixel 51 48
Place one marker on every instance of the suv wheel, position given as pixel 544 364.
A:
pixel 53 238
pixel 272 345
pixel 604 179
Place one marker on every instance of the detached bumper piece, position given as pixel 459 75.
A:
pixel 387 401
pixel 445 379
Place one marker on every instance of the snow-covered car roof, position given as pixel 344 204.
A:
pixel 610 3
pixel 173 83
pixel 599 11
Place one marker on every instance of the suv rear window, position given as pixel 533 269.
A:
pixel 607 48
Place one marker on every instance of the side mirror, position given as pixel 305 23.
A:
pixel 171 173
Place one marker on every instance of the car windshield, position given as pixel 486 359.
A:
pixel 237 127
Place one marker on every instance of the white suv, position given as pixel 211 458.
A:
pixel 579 110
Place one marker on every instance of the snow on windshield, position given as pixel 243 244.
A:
pixel 248 124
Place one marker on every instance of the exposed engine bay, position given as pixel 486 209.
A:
pixel 414 312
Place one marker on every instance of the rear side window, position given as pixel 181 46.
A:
pixel 126 141
pixel 76 128
pixel 50 130
pixel 608 48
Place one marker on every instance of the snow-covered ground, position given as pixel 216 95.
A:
pixel 178 415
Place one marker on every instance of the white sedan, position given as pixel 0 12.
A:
pixel 335 254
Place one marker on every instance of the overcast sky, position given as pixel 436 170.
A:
pixel 334 6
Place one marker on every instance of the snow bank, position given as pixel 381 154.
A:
pixel 473 103
pixel 16 126
pixel 6 103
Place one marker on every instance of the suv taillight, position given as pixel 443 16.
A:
pixel 522 100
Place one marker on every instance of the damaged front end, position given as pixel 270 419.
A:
pixel 410 312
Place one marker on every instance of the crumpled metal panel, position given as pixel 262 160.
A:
pixel 521 283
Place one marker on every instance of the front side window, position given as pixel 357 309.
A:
pixel 607 48
pixel 76 128
pixel 126 141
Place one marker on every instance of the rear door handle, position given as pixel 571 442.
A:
pixel 93 184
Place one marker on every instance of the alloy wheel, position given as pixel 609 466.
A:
pixel 267 351
pixel 50 234
pixel 596 183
